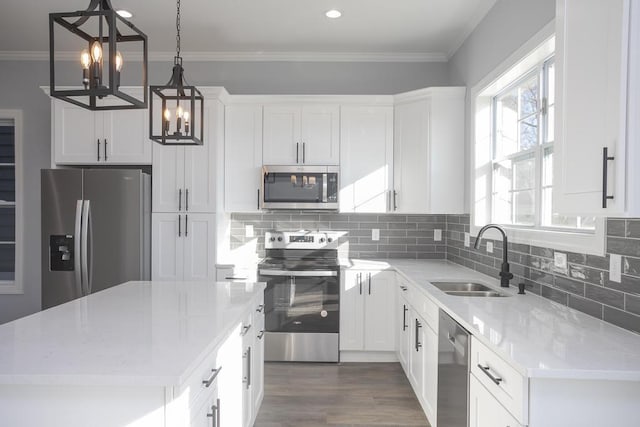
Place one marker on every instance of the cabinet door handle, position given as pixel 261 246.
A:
pixel 297 152
pixel 304 145
pixel 360 282
pixel 186 199
pixel 215 414
pixel 261 334
pixel 605 175
pixel 404 288
pixel 179 225
pixel 260 308
pixel 186 225
pixel 180 199
pixel 258 204
pixel 247 378
pixel 395 200
pixel 418 343
pixel 245 329
pixel 404 317
pixel 98 149
pixel 214 373
pixel 485 369
pixel 369 283
pixel 105 149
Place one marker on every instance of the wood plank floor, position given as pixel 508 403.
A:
pixel 345 394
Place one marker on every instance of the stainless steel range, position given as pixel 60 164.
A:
pixel 302 297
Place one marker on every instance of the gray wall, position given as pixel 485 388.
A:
pixel 21 80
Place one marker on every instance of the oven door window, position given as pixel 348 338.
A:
pixel 302 304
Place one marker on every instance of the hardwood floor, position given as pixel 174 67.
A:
pixel 345 394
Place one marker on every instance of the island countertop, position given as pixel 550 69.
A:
pixel 138 333
pixel 540 338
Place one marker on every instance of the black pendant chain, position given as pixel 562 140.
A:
pixel 178 30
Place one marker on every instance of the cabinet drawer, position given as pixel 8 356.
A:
pixel 485 410
pixel 424 307
pixel 500 379
pixel 202 381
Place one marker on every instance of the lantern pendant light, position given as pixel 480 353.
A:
pixel 100 33
pixel 176 111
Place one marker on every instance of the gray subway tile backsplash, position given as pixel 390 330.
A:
pixel 584 285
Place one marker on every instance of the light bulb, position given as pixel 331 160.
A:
pixel 96 51
pixel 179 112
pixel 85 59
pixel 186 116
pixel 167 114
pixel 119 61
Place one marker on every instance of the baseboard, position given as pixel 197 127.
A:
pixel 368 356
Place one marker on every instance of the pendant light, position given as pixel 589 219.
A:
pixel 177 109
pixel 103 40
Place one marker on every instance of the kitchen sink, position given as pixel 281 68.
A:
pixel 467 289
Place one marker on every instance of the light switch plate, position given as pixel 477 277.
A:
pixel 615 268
pixel 437 235
pixel 490 247
pixel 467 240
pixel 560 261
pixel 375 234
pixel 248 231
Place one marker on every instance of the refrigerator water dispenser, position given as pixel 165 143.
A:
pixel 61 252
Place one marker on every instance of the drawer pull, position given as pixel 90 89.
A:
pixel 214 373
pixel 260 308
pixel 245 329
pixel 485 369
pixel 260 335
pixel 404 288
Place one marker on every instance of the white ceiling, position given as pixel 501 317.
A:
pixel 411 30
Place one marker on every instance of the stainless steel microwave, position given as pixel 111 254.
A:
pixel 299 187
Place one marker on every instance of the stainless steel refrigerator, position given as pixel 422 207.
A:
pixel 96 231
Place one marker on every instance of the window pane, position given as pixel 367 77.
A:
pixel 547 167
pixel 524 174
pixel 529 96
pixel 7 224
pixel 524 208
pixel 551 83
pixel 7 261
pixel 7 152
pixel 507 123
pixel 502 185
pixel 7 184
pixel 551 122
pixel 529 133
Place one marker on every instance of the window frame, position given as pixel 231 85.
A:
pixel 16 286
pixel 540 47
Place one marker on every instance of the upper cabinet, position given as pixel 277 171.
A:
pixel 86 137
pixel 366 151
pixel 184 178
pixel 597 45
pixel 301 134
pixel 243 157
pixel 428 155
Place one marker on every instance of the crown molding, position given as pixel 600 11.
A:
pixel 470 27
pixel 250 56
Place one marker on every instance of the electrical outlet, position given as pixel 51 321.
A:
pixel 248 231
pixel 437 235
pixel 467 240
pixel 615 268
pixel 375 234
pixel 490 247
pixel 560 261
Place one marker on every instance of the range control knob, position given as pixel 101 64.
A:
pixel 329 239
pixel 280 239
pixel 322 240
pixel 272 239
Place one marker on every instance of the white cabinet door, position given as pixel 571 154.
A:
pixel 242 157
pixel 379 321
pixel 199 178
pixel 75 133
pixel 591 105
pixel 167 246
pixel 320 135
pixel 258 357
pixel 126 133
pixel 429 360
pixel 198 233
pixel 168 179
pixel 352 311
pixel 281 138
pixel 366 148
pixel 485 410
pixel 230 385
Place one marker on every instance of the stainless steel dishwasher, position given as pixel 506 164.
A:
pixel 453 373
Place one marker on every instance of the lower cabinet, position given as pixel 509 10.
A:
pixel 183 246
pixel 366 322
pixel 484 408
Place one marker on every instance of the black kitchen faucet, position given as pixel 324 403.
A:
pixel 505 275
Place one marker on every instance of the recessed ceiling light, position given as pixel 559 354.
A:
pixel 124 13
pixel 333 14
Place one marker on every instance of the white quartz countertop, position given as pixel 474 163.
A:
pixel 538 337
pixel 137 333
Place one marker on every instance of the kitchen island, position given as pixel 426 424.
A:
pixel 137 354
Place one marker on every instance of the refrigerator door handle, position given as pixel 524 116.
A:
pixel 77 261
pixel 84 246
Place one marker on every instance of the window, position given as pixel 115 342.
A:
pixel 10 201
pixel 512 123
pixel 522 159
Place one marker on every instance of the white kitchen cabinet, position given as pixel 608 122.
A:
pixel 184 178
pixel 301 134
pixel 366 323
pixel 242 157
pixel 592 95
pixel 366 158
pixel 88 137
pixel 485 410
pixel 183 246
pixel 429 360
pixel 428 155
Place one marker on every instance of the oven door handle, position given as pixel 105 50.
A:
pixel 305 273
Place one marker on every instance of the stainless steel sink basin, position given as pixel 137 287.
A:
pixel 467 289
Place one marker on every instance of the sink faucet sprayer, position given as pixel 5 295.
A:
pixel 505 275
